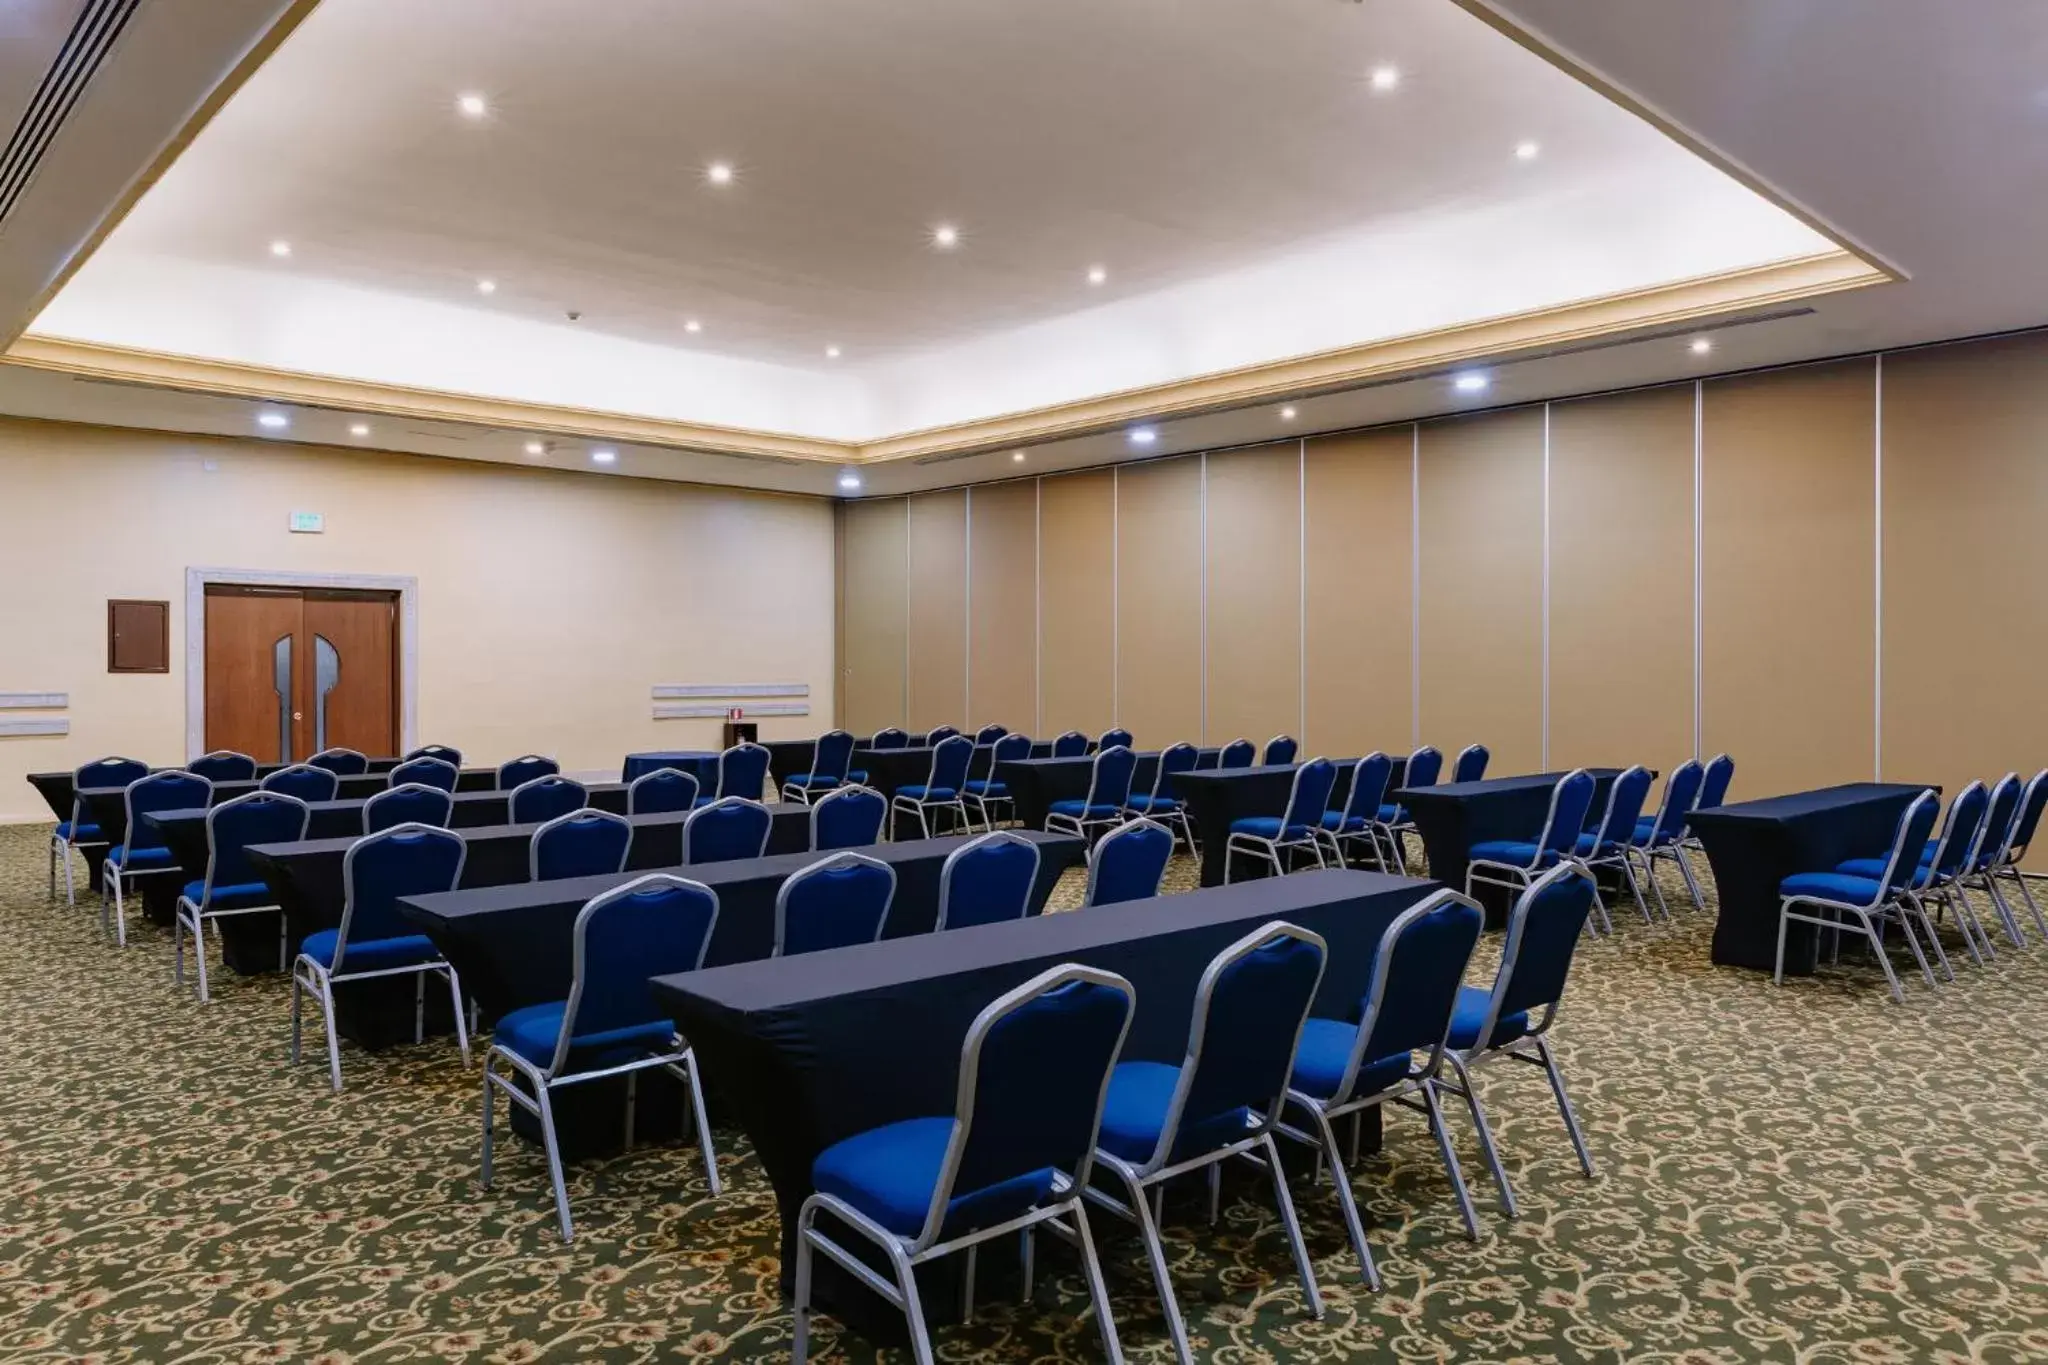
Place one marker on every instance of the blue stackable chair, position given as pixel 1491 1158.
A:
pixel 665 791
pixel 2007 868
pixel 1113 737
pixel 890 737
pixel 730 828
pixel 78 832
pixel 424 771
pixel 848 817
pixel 145 853
pixel 415 803
pixel 1109 792
pixel 2001 822
pixel 743 771
pixel 223 765
pixel 1342 1068
pixel 1828 900
pixel 1015 1154
pixel 838 901
pixel 1613 842
pixel 989 734
pixel 1663 835
pixel 447 753
pixel 1512 1019
pixel 1359 817
pixel 944 788
pixel 1714 783
pixel 304 781
pixel 581 843
pixel 611 1024
pixel 341 762
pixel 1128 863
pixel 1423 768
pixel 373 940
pixel 540 799
pixel 1470 764
pixel 1163 1121
pixel 1239 753
pixel 517 772
pixel 1159 804
pixel 1280 749
pixel 1072 744
pixel 831 761
pixel 939 734
pixel 1939 866
pixel 1299 827
pixel 987 879
pixel 982 793
pixel 231 886
pixel 1516 863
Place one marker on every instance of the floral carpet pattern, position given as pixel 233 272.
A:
pixel 1807 1174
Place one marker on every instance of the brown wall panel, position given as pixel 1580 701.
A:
pixel 1076 563
pixel 1360 607
pixel 1159 601
pixel 938 609
pixel 1621 531
pixel 1787 624
pixel 876 542
pixel 1002 678
pixel 1965 563
pixel 1481 493
pixel 1254 592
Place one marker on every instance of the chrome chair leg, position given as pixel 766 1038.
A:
pixel 1564 1106
pixel 1487 1147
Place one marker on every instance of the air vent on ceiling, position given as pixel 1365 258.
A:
pixel 92 36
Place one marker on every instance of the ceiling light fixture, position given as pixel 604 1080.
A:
pixel 1287 413
pixel 1470 382
pixel 359 429
pixel 719 172
pixel 831 353
pixel 1700 345
pixel 280 247
pixel 945 236
pixel 849 480
pixel 536 449
pixel 1097 274
pixel 486 286
pixel 1385 77
pixel 272 421
pixel 472 105
pixel 1143 436
pixel 692 326
pixel 1526 151
pixel 604 455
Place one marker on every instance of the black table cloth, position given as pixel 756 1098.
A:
pixel 1036 782
pixel 701 764
pixel 1453 816
pixel 806 1051
pixel 1754 845
pixel 1216 796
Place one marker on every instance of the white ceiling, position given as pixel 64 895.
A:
pixel 1229 162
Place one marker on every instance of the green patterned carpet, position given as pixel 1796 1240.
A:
pixel 1809 1174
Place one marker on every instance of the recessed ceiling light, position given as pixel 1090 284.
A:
pixel 1385 77
pixel 849 479
pixel 1143 436
pixel 719 172
pixel 1700 345
pixel 692 326
pixel 1287 413
pixel 280 247
pixel 1526 151
pixel 945 236
pixel 1470 382
pixel 359 429
pixel 486 286
pixel 272 421
pixel 602 455
pixel 535 448
pixel 1097 274
pixel 831 353
pixel 1017 456
pixel 472 106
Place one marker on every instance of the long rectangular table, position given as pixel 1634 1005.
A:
pixel 808 1050
pixel 1035 783
pixel 1453 816
pixel 1217 796
pixel 1754 845
pixel 701 764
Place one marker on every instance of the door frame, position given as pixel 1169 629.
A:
pixel 196 581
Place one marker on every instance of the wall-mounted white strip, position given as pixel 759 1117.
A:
pixel 34 727
pixel 665 691
pixel 701 711
pixel 1877 580
pixel 34 701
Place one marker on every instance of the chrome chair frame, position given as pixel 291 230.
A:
pixel 341 751
pixel 235 754
pixel 829 863
pixel 1259 846
pixel 1063 745
pixel 1006 836
pixel 1178 813
pixel 587 815
pixel 802 794
pixel 1356 805
pixel 545 780
pixel 1622 852
pixel 112 875
pixel 1870 917
pixel 841 793
pixel 1020 747
pixel 767 774
pixel 1520 879
pixel 392 780
pixel 333 780
pixel 1399 830
pixel 554 770
pixel 921 807
pixel 663 775
pixel 1079 825
pixel 727 803
pixel 203 910
pixel 62 846
pixel 1094 856
pixel 375 797
pixel 2008 867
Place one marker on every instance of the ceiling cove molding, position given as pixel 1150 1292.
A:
pixel 1418 354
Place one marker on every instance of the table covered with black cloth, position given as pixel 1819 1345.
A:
pixel 1754 845
pixel 1453 816
pixel 805 1051
pixel 1035 783
pixel 1216 796
pixel 701 764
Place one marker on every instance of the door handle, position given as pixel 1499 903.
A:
pixel 281 680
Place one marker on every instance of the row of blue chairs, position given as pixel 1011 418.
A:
pixel 1051 1120
pixel 1920 876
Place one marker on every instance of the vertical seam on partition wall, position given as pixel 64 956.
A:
pixel 904 699
pixel 1699 559
pixel 1544 742
pixel 1038 606
pixel 1301 595
pixel 1116 595
pixel 1877 577
pixel 1415 585
pixel 1202 598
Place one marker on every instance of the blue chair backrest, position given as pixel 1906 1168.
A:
pixel 1311 797
pixel 743 771
pixel 404 860
pixel 890 738
pixel 1239 753
pixel 1072 744
pixel 949 763
pixel 1544 926
pixel 1111 738
pixel 849 817
pixel 654 925
pixel 1624 807
pixel 1247 1023
pixel 108 772
pixel 1416 975
pixel 986 880
pixel 1424 767
pixel 162 791
pixel 730 827
pixel 256 818
pixel 583 843
pixel 425 772
pixel 1128 863
pixel 223 765
pixel 447 753
pixel 1009 748
pixel 1959 832
pixel 1034 1072
pixel 415 803
pixel 543 798
pixel 519 771
pixel 989 734
pixel 2000 820
pixel 1369 779
pixel 1681 795
pixel 662 792
pixel 341 762
pixel 1570 799
pixel 1109 781
pixel 834 903
pixel 1471 763
pixel 1916 823
pixel 833 755
pixel 304 781
pixel 938 734
pixel 2031 802
pixel 1714 786
pixel 1280 749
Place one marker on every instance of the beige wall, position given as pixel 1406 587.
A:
pixel 549 604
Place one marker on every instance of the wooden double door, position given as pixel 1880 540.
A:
pixel 292 671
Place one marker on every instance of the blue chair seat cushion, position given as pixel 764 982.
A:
pixel 1081 810
pixel 77 831
pixel 1589 844
pixel 812 780
pixel 531 1033
pixel 1160 805
pixel 1513 852
pixel 921 792
pixel 987 788
pixel 1134 1115
pixel 137 859
pixel 238 896
pixel 1468 1016
pixel 370 955
pixel 1267 827
pixel 1832 886
pixel 889 1174
pixel 1325 1051
pixel 857 775
pixel 1337 822
pixel 1393 815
